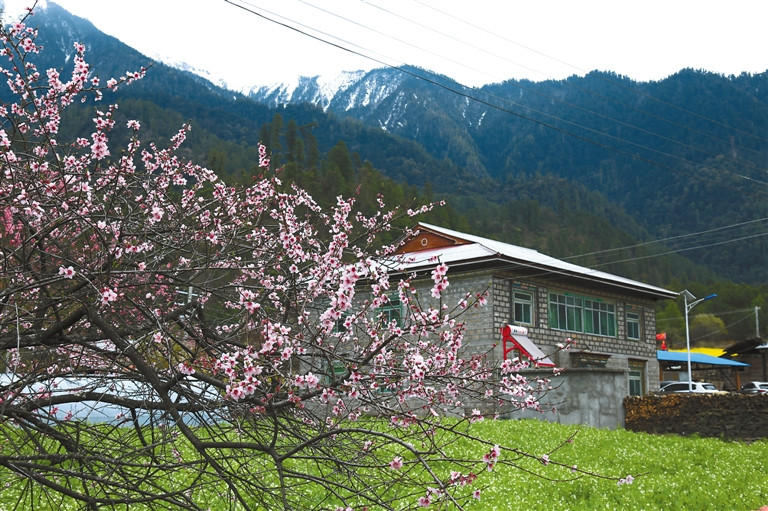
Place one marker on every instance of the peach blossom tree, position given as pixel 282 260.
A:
pixel 171 341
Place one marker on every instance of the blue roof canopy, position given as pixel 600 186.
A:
pixel 696 358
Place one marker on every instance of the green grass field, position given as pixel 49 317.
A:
pixel 685 473
pixel 671 472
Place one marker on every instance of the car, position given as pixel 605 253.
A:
pixel 755 387
pixel 684 386
pixel 65 394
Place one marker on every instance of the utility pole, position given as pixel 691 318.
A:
pixel 757 322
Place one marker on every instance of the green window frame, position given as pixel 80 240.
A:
pixel 636 378
pixel 392 311
pixel 333 369
pixel 635 383
pixel 581 314
pixel 633 325
pixel 599 318
pixel 565 312
pixel 522 308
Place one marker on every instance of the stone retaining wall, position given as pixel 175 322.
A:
pixel 728 415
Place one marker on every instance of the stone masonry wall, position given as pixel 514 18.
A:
pixel 484 323
pixel 481 332
pixel 728 415
pixel 596 377
pixel 622 352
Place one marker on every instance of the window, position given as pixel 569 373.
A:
pixel 333 370
pixel 392 311
pixel 633 325
pixel 580 314
pixel 635 382
pixel 186 296
pixel 599 318
pixel 522 308
pixel 565 312
pixel 636 378
pixel 340 326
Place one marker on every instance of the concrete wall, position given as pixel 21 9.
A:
pixel 587 396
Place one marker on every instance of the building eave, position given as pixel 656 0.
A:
pixel 476 252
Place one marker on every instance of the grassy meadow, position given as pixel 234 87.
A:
pixel 671 472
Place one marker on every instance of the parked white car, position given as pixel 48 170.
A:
pixel 684 386
pixel 66 397
pixel 755 387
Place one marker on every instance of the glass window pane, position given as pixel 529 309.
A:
pixel 522 308
pixel 633 325
pixel 636 382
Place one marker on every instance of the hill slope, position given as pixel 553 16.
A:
pixel 679 156
pixel 514 177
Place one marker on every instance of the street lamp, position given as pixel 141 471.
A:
pixel 688 296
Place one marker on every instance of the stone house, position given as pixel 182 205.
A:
pixel 542 301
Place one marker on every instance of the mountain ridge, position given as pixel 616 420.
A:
pixel 555 144
pixel 688 142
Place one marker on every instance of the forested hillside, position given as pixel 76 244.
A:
pixel 577 168
pixel 679 156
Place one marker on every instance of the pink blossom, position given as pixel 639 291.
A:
pixel 67 272
pixel 157 214
pixel 626 480
pixel 312 380
pixel 235 393
pixel 108 295
pixel 492 456
pixel 99 148
pixel 396 463
pixel 185 368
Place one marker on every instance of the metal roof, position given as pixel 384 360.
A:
pixel 479 249
pixel 696 358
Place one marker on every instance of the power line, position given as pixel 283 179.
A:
pixel 602 96
pixel 452 88
pixel 585 71
pixel 397 39
pixel 534 90
pixel 371 4
pixel 677 251
pixel 670 238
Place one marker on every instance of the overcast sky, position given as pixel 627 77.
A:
pixel 475 42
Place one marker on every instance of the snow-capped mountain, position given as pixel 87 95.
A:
pixel 318 90
pixel 398 101
pixel 360 88
pixel 381 97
